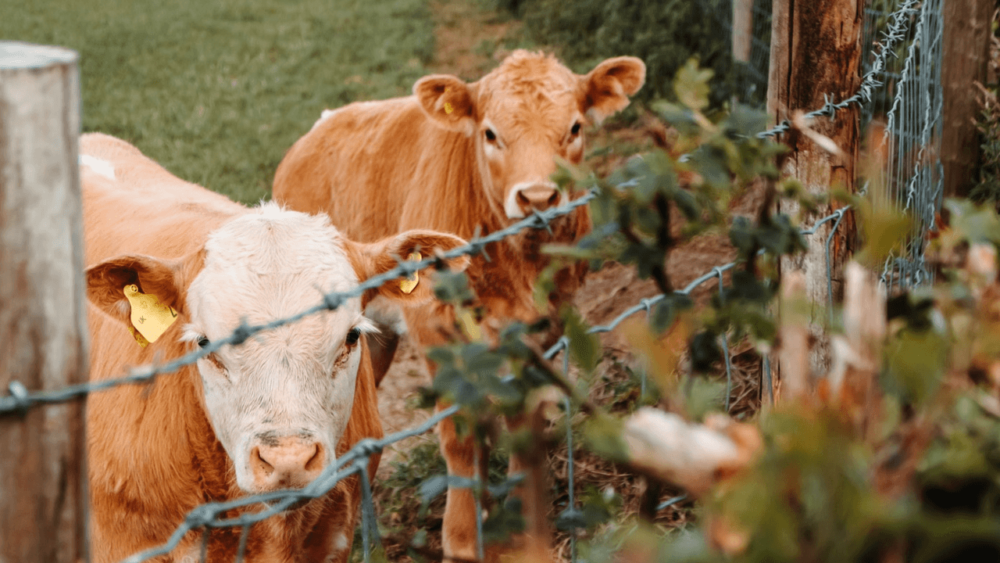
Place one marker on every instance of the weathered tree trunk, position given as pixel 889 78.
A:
pixel 43 332
pixel 967 28
pixel 815 50
pixel 742 29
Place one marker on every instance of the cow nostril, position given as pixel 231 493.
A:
pixel 315 463
pixel 538 196
pixel 260 464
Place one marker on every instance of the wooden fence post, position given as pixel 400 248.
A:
pixel 816 51
pixel 43 332
pixel 742 29
pixel 967 30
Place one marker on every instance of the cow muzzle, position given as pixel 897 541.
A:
pixel 526 197
pixel 286 463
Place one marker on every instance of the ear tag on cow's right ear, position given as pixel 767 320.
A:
pixel 150 318
pixel 410 283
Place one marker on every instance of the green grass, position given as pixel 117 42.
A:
pixel 217 91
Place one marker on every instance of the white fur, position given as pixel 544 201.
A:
pixel 323 117
pixel 385 312
pixel 328 113
pixel 296 380
pixel 99 166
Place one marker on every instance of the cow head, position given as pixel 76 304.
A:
pixel 523 115
pixel 280 402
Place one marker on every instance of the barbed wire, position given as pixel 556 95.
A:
pixel 895 32
pixel 206 515
pixel 20 399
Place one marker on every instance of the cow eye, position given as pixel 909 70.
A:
pixel 576 129
pixel 490 135
pixel 353 336
pixel 203 341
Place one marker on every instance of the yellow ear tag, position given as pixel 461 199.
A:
pixel 448 108
pixel 410 283
pixel 149 317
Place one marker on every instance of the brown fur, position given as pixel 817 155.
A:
pixel 153 455
pixel 383 167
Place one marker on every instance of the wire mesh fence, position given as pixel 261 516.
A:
pixel 901 87
pixel 905 89
pixel 911 105
pixel 749 41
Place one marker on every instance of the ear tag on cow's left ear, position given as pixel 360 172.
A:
pixel 149 317
pixel 410 283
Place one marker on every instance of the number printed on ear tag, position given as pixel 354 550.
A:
pixel 149 317
pixel 410 283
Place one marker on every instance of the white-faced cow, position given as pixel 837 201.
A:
pixel 465 158
pixel 270 414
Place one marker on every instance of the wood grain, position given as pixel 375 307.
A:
pixel 43 333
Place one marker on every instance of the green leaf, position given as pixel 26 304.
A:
pixel 584 349
pixel 704 396
pixel 704 351
pixel 453 287
pixel 691 85
pixel 602 434
pixel 503 521
pixel 973 223
pixel 665 312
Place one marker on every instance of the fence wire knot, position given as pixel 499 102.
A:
pixel 19 400
pixel 367 447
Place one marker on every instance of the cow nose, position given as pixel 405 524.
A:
pixel 290 464
pixel 538 196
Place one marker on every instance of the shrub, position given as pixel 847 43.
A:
pixel 663 33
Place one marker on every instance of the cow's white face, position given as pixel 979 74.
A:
pixel 524 116
pixel 279 403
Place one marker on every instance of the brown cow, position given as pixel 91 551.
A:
pixel 462 158
pixel 270 414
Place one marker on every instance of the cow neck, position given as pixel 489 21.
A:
pixel 212 467
pixel 452 163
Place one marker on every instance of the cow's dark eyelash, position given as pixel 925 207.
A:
pixel 353 336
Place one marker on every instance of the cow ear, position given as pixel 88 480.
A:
pixel 107 280
pixel 448 102
pixel 606 89
pixel 377 258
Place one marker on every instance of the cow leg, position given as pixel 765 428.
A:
pixel 382 349
pixel 458 534
pixel 533 490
